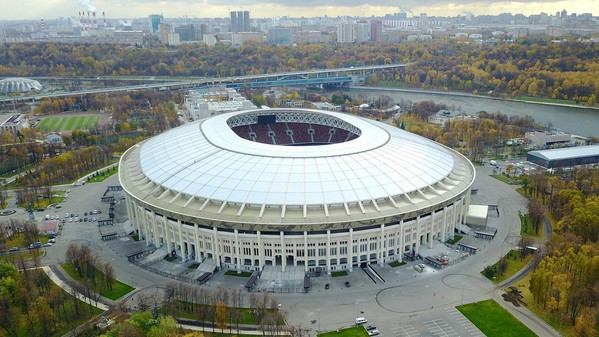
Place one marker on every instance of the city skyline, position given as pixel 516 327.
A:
pixel 36 9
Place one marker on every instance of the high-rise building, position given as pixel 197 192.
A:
pixel 240 21
pixel 345 32
pixel 362 31
pixel 234 26
pixel 280 36
pixel 186 33
pixel 376 31
pixel 155 21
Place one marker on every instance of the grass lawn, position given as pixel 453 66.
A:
pixel 354 331
pixel 119 289
pixel 171 258
pixel 43 203
pixel 339 273
pixel 396 264
pixel 193 266
pixel 246 315
pixel 547 100
pixel 493 320
pixel 102 176
pixel 526 228
pixel 18 240
pixel 515 263
pixel 27 255
pixel 68 123
pixel 455 239
pixel 507 180
pixel 235 273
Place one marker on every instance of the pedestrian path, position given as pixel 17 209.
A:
pixel 52 275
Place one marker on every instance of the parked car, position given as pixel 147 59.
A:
pixel 14 249
pixel 35 245
pixel 371 327
pixel 47 244
pixel 52 240
pixel 373 332
pixel 326 286
pixel 361 320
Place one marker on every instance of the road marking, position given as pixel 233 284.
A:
pixel 440 327
pixel 406 331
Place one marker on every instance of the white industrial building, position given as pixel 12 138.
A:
pixel 202 104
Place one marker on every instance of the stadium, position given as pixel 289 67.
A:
pixel 293 187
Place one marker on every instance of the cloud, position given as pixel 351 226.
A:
pixel 87 4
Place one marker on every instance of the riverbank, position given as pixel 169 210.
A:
pixel 567 118
pixel 465 94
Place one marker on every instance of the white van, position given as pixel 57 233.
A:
pixel 47 216
pixel 361 320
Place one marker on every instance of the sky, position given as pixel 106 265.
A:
pixel 50 9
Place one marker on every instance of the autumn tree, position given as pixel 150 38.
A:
pixel 536 212
pixel 221 316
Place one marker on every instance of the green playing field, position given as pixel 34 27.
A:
pixel 68 123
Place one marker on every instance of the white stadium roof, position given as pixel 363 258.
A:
pixel 13 84
pixel 207 160
pixel 204 172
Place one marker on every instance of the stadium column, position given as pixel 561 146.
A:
pixel 181 243
pixel 444 225
pixel 283 252
pixel 237 249
pixel 215 250
pixel 196 239
pixel 418 234
pixel 467 205
pixel 350 250
pixel 328 252
pixel 454 209
pixel 305 251
pixel 433 229
pixel 155 231
pixel 260 251
pixel 381 247
pixel 167 231
pixel 133 219
pixel 402 239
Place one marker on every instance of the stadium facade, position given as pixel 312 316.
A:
pixel 294 187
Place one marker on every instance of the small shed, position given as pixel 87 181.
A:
pixel 477 216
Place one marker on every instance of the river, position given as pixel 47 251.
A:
pixel 576 120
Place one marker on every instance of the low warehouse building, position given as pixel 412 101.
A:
pixel 572 156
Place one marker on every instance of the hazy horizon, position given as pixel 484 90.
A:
pixel 37 9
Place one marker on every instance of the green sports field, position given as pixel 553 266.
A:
pixel 68 123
